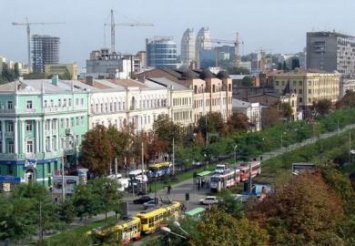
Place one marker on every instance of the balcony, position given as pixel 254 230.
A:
pixel 7 111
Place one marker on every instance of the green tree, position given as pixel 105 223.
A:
pixel 248 81
pixel 97 150
pixel 286 110
pixel 238 70
pixel 230 205
pixel 108 194
pixel 348 101
pixel 295 63
pixel 85 201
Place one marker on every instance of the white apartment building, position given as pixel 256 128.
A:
pixel 251 110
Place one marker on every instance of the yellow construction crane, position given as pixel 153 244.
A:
pixel 28 27
pixel 113 26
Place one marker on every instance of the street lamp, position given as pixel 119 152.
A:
pixel 168 230
pixel 177 224
pixel 235 154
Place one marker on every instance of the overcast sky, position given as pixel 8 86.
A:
pixel 276 25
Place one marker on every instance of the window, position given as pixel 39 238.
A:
pixel 69 102
pixel 72 122
pixel 29 126
pixel 77 101
pixel 45 103
pixel 300 91
pixel 9 105
pixel 10 169
pixel 10 147
pixel 59 102
pixel 29 105
pixel 54 124
pixel 309 91
pixel 10 126
pixel 29 148
pixel 77 121
pixel 51 104
pixel 62 123
pixel 82 120
pixel 300 83
pixel 47 144
pixel 54 143
pixel 82 101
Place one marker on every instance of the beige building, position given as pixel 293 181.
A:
pixel 70 69
pixel 309 86
pixel 211 92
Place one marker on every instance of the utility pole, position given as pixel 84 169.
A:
pixel 143 170
pixel 173 156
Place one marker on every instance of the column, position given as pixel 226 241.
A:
pixel 16 136
pixel 50 134
pixel 43 135
pixel 3 129
pixel 58 134
pixel 37 136
pixel 23 145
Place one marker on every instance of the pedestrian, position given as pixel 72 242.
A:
pixel 169 189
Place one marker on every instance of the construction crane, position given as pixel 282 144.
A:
pixel 235 43
pixel 28 27
pixel 113 26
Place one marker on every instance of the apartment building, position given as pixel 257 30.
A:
pixel 211 92
pixel 309 86
pixel 42 123
pixel 331 51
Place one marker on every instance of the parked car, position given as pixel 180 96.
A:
pixel 142 199
pixel 151 203
pixel 209 200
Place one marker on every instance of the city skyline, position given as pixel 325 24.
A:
pixel 275 26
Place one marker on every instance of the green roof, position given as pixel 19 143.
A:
pixel 195 211
pixel 204 173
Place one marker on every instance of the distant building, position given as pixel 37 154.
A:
pixel 45 50
pixel 310 86
pixel 188 45
pixel 161 52
pixel 105 64
pixel 251 110
pixel 70 70
pixel 203 45
pixel 331 51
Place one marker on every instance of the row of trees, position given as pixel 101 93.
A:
pixel 29 210
pixel 7 74
pixel 309 209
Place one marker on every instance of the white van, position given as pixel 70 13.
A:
pixel 122 181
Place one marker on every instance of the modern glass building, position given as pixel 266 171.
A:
pixel 161 52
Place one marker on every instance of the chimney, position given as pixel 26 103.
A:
pixel 89 80
pixel 55 80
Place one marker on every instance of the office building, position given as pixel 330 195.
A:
pixel 331 51
pixel 45 50
pixel 188 45
pixel 203 45
pixel 161 52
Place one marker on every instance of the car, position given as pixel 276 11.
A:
pixel 209 200
pixel 142 199
pixel 151 203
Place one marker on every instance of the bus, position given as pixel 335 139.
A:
pixel 151 220
pixel 160 169
pixel 125 230
pixel 202 177
pixel 229 178
pixel 253 167
pixel 138 175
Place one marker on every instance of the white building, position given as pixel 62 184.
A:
pixel 251 110
pixel 188 54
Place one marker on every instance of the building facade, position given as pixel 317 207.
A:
pixel 251 110
pixel 42 126
pixel 70 70
pixel 331 51
pixel 309 86
pixel 188 45
pixel 161 52
pixel 45 50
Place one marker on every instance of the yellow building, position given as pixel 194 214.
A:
pixel 66 71
pixel 309 86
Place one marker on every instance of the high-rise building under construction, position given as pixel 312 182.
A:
pixel 45 50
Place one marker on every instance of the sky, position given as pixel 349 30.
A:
pixel 276 26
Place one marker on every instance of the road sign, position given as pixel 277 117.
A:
pixel 10 179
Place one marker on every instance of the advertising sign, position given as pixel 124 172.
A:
pixel 69 184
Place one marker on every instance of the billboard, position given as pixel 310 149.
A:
pixel 298 168
pixel 69 184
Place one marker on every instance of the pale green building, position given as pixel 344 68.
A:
pixel 42 124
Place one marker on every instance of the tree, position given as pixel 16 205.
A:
pixel 219 228
pixel 295 63
pixel 284 66
pixel 97 150
pixel 323 106
pixel 238 122
pixel 109 196
pixel 230 205
pixel 301 212
pixel 238 70
pixel 285 110
pixel 348 101
pixel 248 81
pixel 85 201
pixel 270 116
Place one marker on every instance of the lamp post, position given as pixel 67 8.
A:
pixel 235 154
pixel 168 230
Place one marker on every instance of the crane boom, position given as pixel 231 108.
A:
pixel 113 26
pixel 28 29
